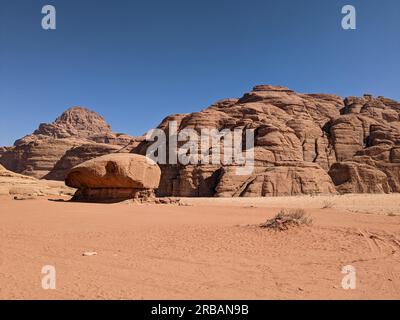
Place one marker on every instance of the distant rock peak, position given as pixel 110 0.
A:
pixel 48 151
pixel 75 122
pixel 81 118
pixel 267 87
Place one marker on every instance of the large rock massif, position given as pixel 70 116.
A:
pixel 304 144
pixel 76 136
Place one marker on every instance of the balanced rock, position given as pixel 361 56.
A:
pixel 114 177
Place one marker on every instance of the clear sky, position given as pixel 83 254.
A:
pixel 135 62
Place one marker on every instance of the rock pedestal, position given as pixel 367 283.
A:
pixel 114 178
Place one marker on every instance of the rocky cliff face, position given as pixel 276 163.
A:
pixel 304 144
pixel 76 136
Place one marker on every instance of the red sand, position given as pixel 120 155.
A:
pixel 203 251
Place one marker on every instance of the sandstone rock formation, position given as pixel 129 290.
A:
pixel 304 144
pixel 353 177
pixel 77 155
pixel 19 185
pixel 38 154
pixel 283 179
pixel 113 178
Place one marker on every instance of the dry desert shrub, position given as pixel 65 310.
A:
pixel 328 204
pixel 286 219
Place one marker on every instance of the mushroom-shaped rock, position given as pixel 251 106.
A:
pixel 114 177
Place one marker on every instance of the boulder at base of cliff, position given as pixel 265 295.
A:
pixel 353 177
pixel 114 178
pixel 282 179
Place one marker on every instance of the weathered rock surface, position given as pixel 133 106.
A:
pixel 77 155
pixel 283 179
pixel 23 187
pixel 114 177
pixel 37 154
pixel 352 177
pixel 304 144
pixel 302 141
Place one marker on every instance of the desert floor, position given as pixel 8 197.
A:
pixel 209 249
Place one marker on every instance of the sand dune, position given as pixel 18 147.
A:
pixel 210 249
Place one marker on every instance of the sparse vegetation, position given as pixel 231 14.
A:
pixel 286 219
pixel 328 204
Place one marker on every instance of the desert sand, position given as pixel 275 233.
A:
pixel 207 249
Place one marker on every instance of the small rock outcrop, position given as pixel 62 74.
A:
pixel 24 187
pixel 114 178
pixel 353 177
pixel 284 179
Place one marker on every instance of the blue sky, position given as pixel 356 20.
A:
pixel 135 62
